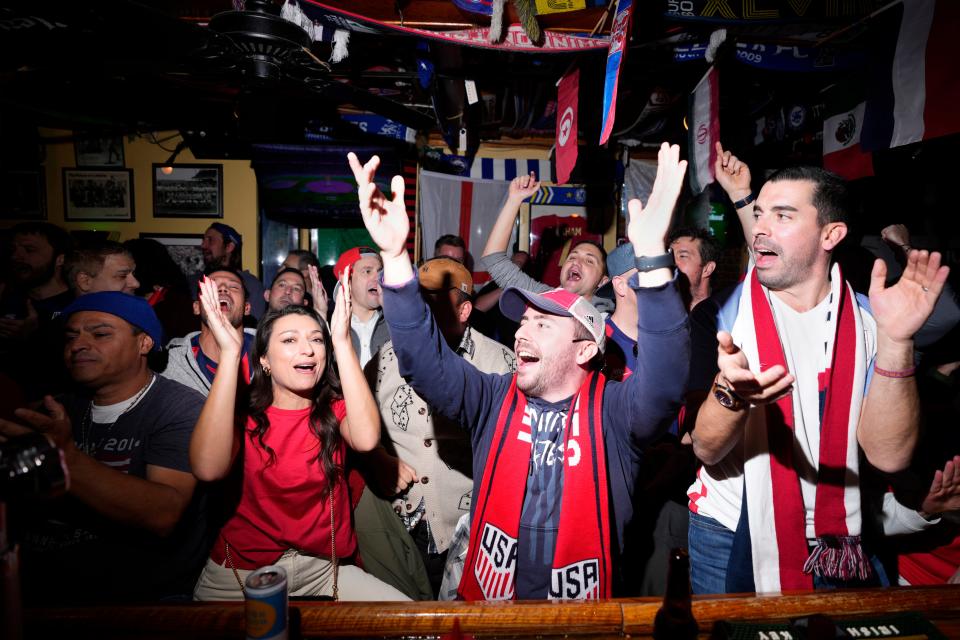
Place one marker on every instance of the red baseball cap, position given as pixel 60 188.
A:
pixel 559 302
pixel 350 257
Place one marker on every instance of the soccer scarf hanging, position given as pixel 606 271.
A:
pixel 582 559
pixel 777 518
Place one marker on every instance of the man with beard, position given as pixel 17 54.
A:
pixel 34 295
pixel 367 327
pixel 128 517
pixel 556 447
pixel 811 375
pixel 192 359
pixel 222 246
pixel 582 273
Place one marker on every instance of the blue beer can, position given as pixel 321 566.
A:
pixel 265 591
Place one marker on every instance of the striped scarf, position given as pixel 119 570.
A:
pixel 776 513
pixel 582 558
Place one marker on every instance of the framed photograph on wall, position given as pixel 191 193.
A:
pixel 24 195
pixel 184 248
pixel 188 191
pixel 98 151
pixel 98 194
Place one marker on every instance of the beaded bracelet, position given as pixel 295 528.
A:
pixel 887 373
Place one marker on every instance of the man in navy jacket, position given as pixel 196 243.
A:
pixel 556 427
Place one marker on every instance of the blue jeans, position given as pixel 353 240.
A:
pixel 709 546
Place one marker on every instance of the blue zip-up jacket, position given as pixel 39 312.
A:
pixel 634 411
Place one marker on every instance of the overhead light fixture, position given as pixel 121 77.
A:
pixel 167 167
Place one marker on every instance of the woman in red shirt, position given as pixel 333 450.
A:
pixel 294 508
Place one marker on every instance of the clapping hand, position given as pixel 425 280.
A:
pixel 944 494
pixel 223 332
pixel 319 294
pixel 342 311
pixel 900 310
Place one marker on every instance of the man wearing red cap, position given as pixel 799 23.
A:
pixel 367 327
pixel 557 427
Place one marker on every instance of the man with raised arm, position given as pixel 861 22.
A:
pixel 583 272
pixel 810 375
pixel 557 428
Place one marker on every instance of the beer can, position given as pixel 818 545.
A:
pixel 265 591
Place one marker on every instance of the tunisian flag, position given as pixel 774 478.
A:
pixel 568 92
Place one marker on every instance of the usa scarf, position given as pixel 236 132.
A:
pixel 775 508
pixel 582 559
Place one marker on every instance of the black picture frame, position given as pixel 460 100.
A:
pixel 98 151
pixel 95 195
pixel 188 191
pixel 184 248
pixel 24 195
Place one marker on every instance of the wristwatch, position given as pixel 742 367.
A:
pixel 652 263
pixel 726 396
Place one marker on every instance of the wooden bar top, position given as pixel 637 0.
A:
pixel 607 619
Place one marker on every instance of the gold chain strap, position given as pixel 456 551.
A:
pixel 236 574
pixel 333 550
pixel 333 556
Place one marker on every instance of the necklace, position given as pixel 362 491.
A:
pixel 86 425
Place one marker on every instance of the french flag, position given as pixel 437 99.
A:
pixel 915 84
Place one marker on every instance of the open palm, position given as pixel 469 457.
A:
pixel 223 332
pixel 902 309
pixel 649 224
pixel 386 219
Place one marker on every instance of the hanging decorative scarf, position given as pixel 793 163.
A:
pixel 582 559
pixel 776 513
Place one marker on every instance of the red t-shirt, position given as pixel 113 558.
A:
pixel 280 506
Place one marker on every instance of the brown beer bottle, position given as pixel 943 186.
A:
pixel 675 618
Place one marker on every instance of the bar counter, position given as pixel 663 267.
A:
pixel 608 619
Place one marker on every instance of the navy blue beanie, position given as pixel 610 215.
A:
pixel 133 309
pixel 229 233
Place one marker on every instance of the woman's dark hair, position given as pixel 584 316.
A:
pixel 323 422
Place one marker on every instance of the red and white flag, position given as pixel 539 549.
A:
pixel 567 94
pixel 704 130
pixel 462 206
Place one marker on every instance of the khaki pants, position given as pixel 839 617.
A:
pixel 306 576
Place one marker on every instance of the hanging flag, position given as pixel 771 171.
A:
pixel 514 40
pixel 704 130
pixel 842 152
pixel 461 206
pixel 618 44
pixel 567 95
pixel 915 84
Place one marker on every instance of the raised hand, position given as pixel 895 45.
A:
pixel 944 494
pixel 732 173
pixel 22 328
pixel 648 225
pixel 386 219
pixel 762 388
pixel 342 311
pixel 319 293
pixel 223 332
pixel 522 187
pixel 902 309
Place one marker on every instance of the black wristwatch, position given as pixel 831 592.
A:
pixel 726 396
pixel 652 263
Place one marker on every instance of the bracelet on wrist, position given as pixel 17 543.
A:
pixel 900 373
pixel 739 204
